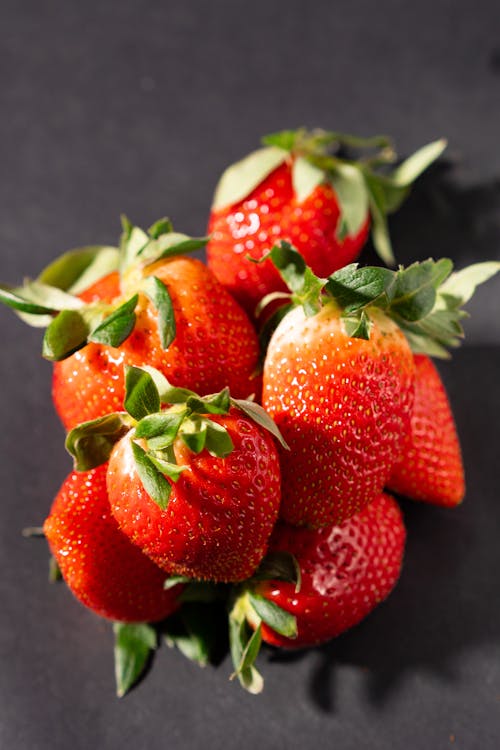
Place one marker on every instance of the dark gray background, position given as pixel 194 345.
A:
pixel 136 107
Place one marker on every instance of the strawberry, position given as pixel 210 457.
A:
pixel 197 485
pixel 430 468
pixel 100 565
pixel 339 375
pixel 161 309
pixel 345 572
pixel 294 189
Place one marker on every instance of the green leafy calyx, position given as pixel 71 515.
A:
pixel 424 299
pixel 360 171
pixel 51 301
pixel 153 430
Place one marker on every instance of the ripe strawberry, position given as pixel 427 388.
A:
pixel 339 372
pixel 345 572
pixel 103 569
pixel 195 486
pixel 215 345
pixel 162 309
pixel 343 405
pixel 294 190
pixel 430 468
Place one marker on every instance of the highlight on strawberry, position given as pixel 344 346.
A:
pixel 321 191
pixel 143 303
pixel 339 377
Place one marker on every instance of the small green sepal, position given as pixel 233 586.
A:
pixel 91 443
pixel 134 645
pixel 141 393
pixel 152 479
pixel 117 327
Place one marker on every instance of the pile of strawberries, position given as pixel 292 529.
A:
pixel 236 426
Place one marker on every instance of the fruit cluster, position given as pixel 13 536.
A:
pixel 236 425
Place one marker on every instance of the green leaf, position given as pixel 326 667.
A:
pixel 216 403
pixel 349 184
pixel 411 168
pixel 78 269
pixel 194 434
pixel 91 443
pixel 353 288
pixel 160 297
pixel 177 243
pixel 380 231
pixel 218 441
pixel 462 284
pixel 305 178
pixel 193 630
pixel 169 394
pixel 141 394
pixel 413 294
pixel 153 481
pixel 251 651
pixel 167 468
pixel 117 327
pixel 175 581
pixel 357 325
pixel 260 416
pixel 279 566
pixel 67 333
pixel 162 226
pixel 134 644
pixel 133 243
pixel 240 179
pixel 9 296
pixel 161 426
pixel 299 278
pixel 277 618
pixel 284 139
pixel 240 635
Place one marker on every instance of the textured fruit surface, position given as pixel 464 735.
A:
pixel 269 214
pixel 342 405
pixel 221 510
pixel 100 565
pixel 215 345
pixel 346 571
pixel 430 468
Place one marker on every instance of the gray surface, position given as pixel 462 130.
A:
pixel 137 107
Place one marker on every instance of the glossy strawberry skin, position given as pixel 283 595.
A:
pixel 430 468
pixel 343 406
pixel 269 214
pixel 346 570
pixel 215 345
pixel 103 569
pixel 221 510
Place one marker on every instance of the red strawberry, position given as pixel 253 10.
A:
pixel 339 372
pixel 161 309
pixel 294 190
pixel 196 486
pixel 343 405
pixel 215 345
pixel 103 569
pixel 430 468
pixel 346 571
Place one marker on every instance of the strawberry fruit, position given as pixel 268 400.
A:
pixel 299 188
pixel 345 572
pixel 339 375
pixel 430 468
pixel 197 485
pixel 160 309
pixel 100 565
